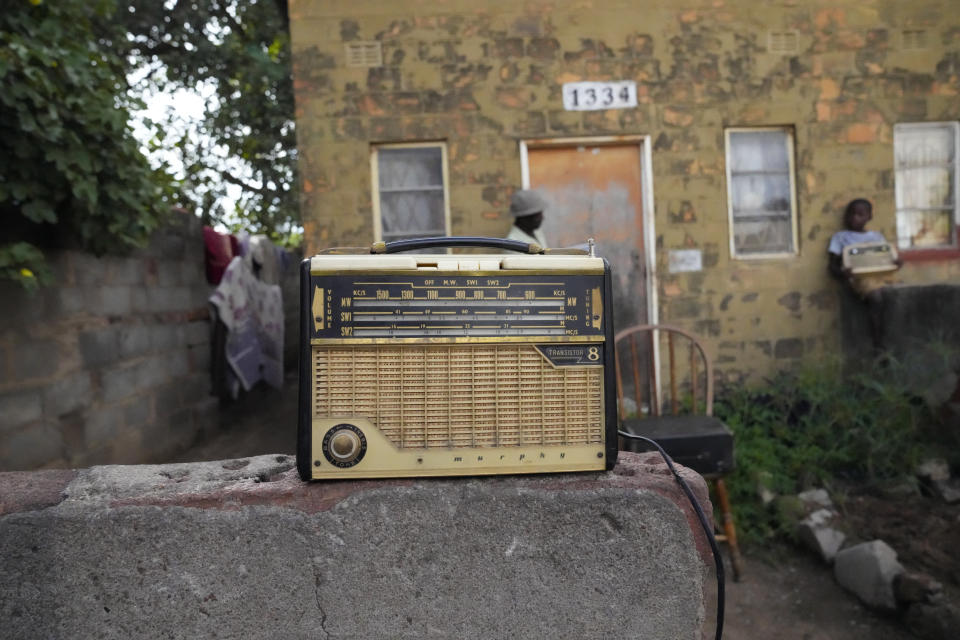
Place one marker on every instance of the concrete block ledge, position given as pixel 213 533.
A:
pixel 244 549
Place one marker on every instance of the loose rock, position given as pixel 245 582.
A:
pixel 948 490
pixel 910 587
pixel 816 533
pixel 933 470
pixel 816 499
pixel 868 570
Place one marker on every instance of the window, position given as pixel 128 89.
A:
pixel 409 184
pixel 925 159
pixel 761 194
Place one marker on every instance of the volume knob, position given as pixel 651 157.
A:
pixel 344 445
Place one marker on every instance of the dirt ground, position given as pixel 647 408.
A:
pixel 924 530
pixel 786 593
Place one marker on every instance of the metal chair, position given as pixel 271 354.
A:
pixel 687 430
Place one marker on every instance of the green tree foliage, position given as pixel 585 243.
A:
pixel 240 49
pixel 70 170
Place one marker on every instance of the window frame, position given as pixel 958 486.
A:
pixel 791 170
pixel 940 251
pixel 375 181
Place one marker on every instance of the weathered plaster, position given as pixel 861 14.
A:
pixel 481 78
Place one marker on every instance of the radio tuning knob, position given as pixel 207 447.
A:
pixel 344 445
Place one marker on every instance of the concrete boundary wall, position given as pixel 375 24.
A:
pixel 110 363
pixel 243 548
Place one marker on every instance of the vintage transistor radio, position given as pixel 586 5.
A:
pixel 869 257
pixel 455 364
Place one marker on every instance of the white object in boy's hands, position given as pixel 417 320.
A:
pixel 870 257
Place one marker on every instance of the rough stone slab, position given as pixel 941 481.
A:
pixel 33 490
pixel 869 570
pixel 243 548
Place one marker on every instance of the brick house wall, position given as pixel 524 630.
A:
pixel 484 76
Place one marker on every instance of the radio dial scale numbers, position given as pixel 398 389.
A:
pixel 426 306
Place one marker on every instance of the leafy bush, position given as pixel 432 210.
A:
pixel 822 426
pixel 70 169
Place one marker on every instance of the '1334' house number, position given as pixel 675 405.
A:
pixel 592 96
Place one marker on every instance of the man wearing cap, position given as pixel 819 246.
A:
pixel 527 209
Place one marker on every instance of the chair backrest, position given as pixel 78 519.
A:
pixel 687 382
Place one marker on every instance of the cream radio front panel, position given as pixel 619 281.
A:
pixel 443 365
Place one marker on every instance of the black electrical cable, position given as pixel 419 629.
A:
pixel 717 559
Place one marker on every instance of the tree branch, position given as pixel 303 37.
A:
pixel 240 182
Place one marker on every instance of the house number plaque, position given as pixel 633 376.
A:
pixel 593 96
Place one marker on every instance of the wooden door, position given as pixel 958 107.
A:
pixel 595 192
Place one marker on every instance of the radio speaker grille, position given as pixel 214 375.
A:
pixel 433 396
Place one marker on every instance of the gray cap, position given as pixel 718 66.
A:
pixel 526 202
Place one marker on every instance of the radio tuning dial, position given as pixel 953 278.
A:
pixel 344 445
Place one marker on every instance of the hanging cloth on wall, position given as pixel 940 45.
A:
pixel 261 256
pixel 252 312
pixel 219 249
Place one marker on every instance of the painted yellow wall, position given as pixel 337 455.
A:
pixel 481 76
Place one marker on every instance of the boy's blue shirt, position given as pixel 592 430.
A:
pixel 846 237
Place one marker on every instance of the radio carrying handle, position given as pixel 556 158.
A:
pixel 455 241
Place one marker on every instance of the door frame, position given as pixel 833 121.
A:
pixel 646 196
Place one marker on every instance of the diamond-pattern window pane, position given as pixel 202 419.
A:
pixel 412 197
pixel 925 185
pixel 761 192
